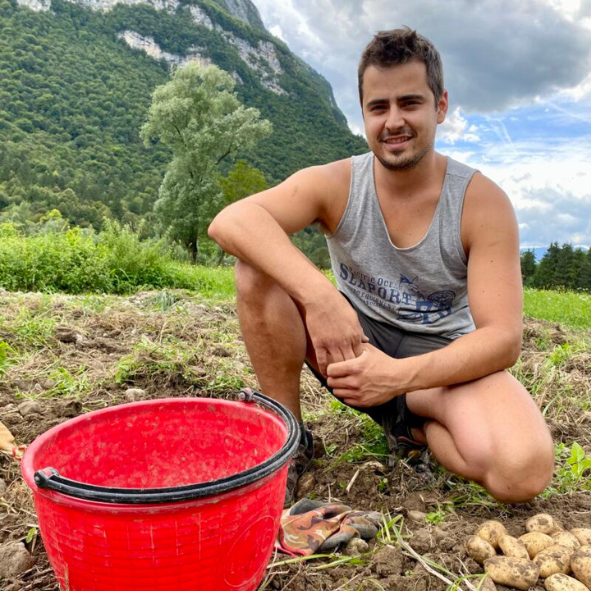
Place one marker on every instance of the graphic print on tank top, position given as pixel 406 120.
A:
pixel 404 298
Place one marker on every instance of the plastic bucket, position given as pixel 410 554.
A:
pixel 182 494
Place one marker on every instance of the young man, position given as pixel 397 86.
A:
pixel 428 311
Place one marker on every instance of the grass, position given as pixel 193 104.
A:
pixel 571 309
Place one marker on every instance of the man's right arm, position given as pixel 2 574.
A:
pixel 256 230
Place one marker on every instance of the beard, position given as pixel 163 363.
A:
pixel 404 162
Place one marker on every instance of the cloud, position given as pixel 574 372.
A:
pixel 519 81
pixel 496 53
pixel 456 128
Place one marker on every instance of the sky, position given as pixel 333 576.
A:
pixel 518 73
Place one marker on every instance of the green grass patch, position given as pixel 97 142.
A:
pixel 566 307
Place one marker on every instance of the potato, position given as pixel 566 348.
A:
pixel 479 549
pixel 535 542
pixel 543 523
pixel 491 531
pixel 566 538
pixel 560 582
pixel 513 547
pixel 513 572
pixel 583 534
pixel 554 559
pixel 580 563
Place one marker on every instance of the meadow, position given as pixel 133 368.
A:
pixel 160 327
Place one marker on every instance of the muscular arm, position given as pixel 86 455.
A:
pixel 256 231
pixel 490 236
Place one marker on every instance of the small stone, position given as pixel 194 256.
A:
pixel 30 407
pixel 132 394
pixel 306 485
pixel 14 559
pixel 2 487
pixel 356 547
pixel 417 516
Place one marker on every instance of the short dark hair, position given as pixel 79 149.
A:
pixel 400 46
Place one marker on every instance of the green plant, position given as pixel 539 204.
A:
pixel 574 473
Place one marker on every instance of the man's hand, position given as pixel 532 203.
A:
pixel 334 330
pixel 367 380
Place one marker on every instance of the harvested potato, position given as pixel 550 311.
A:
pixel 543 523
pixel 560 582
pixel 491 531
pixel 535 542
pixel 513 547
pixel 580 563
pixel 513 572
pixel 566 538
pixel 554 559
pixel 479 549
pixel 583 534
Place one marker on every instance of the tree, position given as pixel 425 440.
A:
pixel 200 118
pixel 243 180
pixel 544 277
pixel 528 266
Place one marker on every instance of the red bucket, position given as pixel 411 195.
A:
pixel 182 493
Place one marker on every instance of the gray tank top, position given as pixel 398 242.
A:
pixel 419 289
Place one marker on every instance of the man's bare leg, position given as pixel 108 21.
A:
pixel 489 431
pixel 274 335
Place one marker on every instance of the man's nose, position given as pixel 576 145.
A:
pixel 395 119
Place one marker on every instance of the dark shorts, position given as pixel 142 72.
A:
pixel 399 344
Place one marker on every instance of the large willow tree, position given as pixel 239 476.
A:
pixel 200 118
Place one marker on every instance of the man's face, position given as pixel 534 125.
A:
pixel 400 114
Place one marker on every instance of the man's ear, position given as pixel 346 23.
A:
pixel 442 107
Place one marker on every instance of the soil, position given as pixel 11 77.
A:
pixel 72 355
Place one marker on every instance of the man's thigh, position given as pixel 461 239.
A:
pixel 491 420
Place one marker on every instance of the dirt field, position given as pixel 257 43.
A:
pixel 71 355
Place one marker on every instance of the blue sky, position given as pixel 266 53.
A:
pixel 518 74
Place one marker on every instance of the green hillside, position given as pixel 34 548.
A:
pixel 74 95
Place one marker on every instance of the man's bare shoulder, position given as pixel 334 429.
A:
pixel 487 211
pixel 327 185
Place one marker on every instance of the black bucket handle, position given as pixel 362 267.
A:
pixel 50 479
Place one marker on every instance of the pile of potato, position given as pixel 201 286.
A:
pixel 546 551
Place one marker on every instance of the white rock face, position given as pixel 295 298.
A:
pixel 262 59
pixel 200 17
pixel 148 45
pixel 106 5
pixel 36 5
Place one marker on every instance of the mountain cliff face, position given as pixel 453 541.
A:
pixel 77 81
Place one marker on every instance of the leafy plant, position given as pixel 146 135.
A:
pixel 574 474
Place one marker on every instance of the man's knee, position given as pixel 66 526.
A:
pixel 521 476
pixel 250 282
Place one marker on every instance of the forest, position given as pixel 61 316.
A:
pixel 562 267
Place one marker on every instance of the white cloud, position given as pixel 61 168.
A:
pixel 497 54
pixel 456 128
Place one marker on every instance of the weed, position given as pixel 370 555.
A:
pixel 574 473
pixel 6 356
pixel 438 517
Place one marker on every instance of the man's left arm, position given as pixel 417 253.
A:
pixel 491 240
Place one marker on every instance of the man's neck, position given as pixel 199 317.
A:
pixel 414 181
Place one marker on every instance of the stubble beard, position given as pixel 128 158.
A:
pixel 405 162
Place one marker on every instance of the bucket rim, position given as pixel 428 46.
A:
pixel 49 478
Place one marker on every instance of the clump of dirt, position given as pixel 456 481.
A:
pixel 68 355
